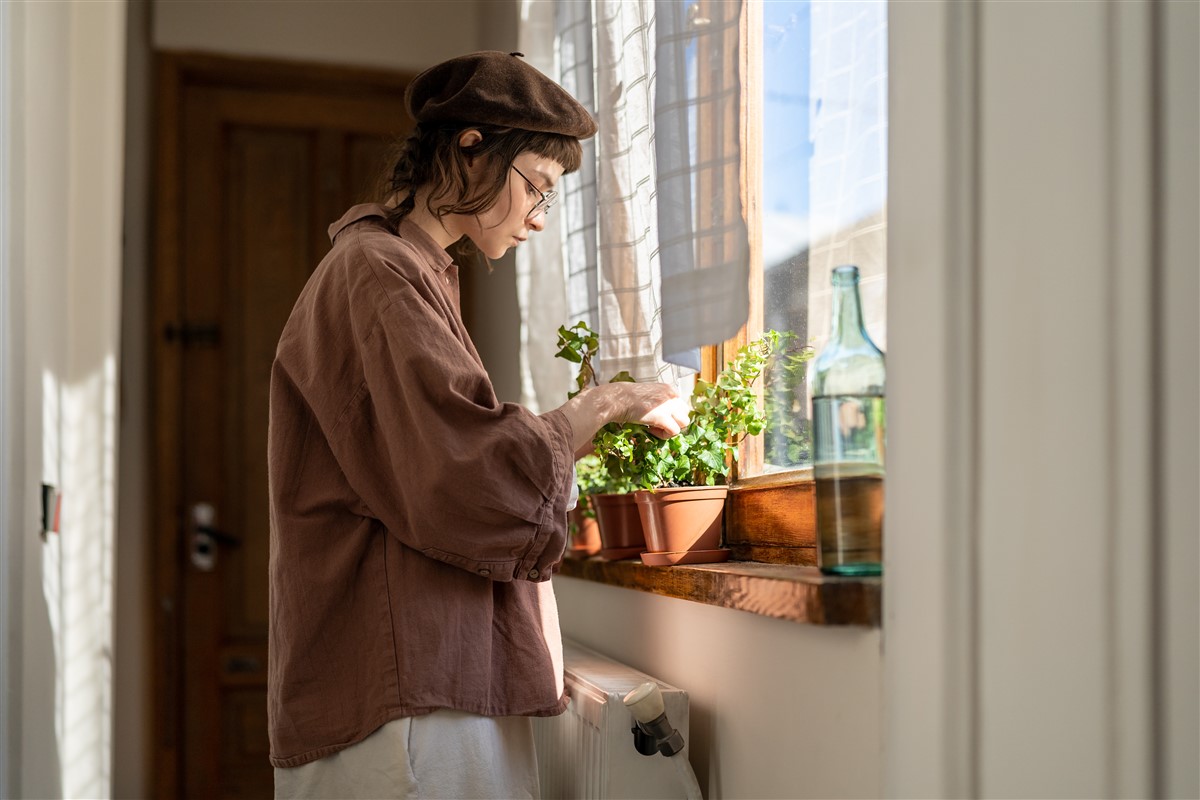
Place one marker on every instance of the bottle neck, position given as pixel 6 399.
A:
pixel 847 329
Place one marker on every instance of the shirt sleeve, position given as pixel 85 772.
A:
pixel 448 469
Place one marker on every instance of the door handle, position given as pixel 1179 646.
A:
pixel 203 537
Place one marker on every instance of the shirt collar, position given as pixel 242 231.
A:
pixel 437 256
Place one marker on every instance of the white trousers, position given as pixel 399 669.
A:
pixel 446 754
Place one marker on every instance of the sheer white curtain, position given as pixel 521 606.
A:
pixel 627 191
pixel 612 262
pixel 541 279
pixel 573 47
pixel 703 242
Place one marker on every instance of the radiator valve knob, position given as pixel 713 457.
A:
pixel 645 702
pixel 653 732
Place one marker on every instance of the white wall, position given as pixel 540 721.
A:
pixel 402 34
pixel 1048 447
pixel 1178 634
pixel 1034 408
pixel 40 152
pixel 66 72
pixel 778 709
pixel 12 459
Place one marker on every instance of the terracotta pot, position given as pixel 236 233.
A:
pixel 585 533
pixel 620 526
pixel 681 519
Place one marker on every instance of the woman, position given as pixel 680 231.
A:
pixel 415 520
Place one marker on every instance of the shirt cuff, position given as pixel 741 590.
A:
pixel 550 540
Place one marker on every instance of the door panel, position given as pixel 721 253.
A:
pixel 270 208
pixel 366 157
pixel 262 174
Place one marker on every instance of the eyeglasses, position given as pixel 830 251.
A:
pixel 547 201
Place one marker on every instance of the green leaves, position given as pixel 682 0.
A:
pixel 578 344
pixel 790 442
pixel 590 474
pixel 569 355
pixel 723 412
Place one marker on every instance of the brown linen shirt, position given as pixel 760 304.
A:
pixel 413 516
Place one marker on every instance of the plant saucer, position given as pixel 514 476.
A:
pixel 620 553
pixel 668 559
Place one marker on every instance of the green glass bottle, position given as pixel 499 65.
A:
pixel 849 421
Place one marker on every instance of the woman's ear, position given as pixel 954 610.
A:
pixel 469 138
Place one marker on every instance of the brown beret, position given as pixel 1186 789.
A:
pixel 496 88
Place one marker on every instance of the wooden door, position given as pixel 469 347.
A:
pixel 256 161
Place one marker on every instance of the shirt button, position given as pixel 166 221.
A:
pixel 485 572
pixel 533 573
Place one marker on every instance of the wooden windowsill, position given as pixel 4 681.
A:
pixel 783 591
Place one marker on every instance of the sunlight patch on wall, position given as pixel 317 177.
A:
pixel 79 450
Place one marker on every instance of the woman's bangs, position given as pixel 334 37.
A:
pixel 566 150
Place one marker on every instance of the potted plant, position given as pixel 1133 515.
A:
pixel 582 526
pixel 682 480
pixel 605 495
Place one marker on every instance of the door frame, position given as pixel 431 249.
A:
pixel 175 72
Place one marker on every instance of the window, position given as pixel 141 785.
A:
pixel 780 105
pixel 817 157
pixel 811 169
pixel 815 160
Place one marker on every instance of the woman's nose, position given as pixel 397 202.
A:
pixel 537 220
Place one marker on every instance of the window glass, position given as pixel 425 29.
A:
pixel 824 187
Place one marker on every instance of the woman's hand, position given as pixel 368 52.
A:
pixel 655 405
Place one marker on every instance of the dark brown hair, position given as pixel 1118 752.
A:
pixel 432 157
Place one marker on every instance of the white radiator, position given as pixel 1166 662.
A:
pixel 587 753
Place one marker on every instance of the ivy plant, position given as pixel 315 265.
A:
pixel 591 477
pixel 723 412
pixel 579 344
pixel 789 430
